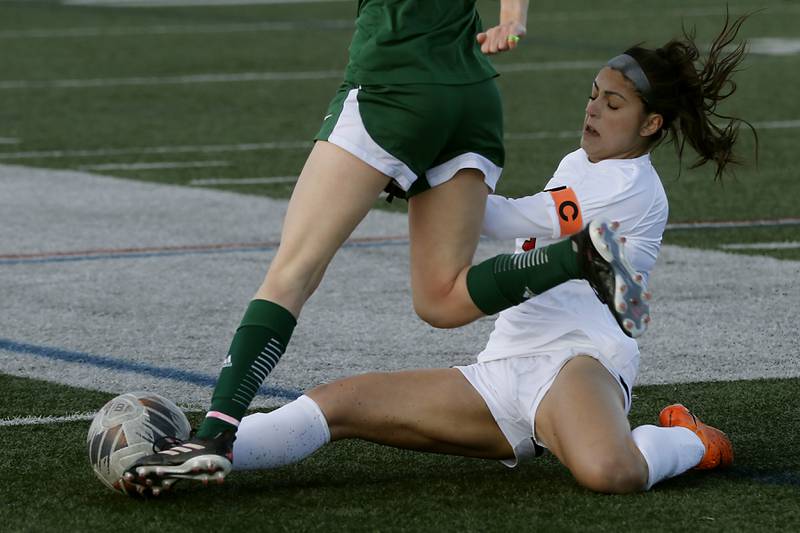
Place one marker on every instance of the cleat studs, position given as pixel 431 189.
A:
pixel 623 288
pixel 156 491
pixel 148 482
pixel 628 324
pixel 647 295
pixel 623 240
pixel 127 476
pixel 159 471
pixel 634 301
pixel 646 319
pixel 639 278
pixel 615 225
pixel 622 307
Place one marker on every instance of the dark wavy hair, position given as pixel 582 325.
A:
pixel 686 91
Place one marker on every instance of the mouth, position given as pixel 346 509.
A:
pixel 588 130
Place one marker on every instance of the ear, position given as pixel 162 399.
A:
pixel 651 124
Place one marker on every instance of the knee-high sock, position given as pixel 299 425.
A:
pixel 507 280
pixel 668 451
pixel 281 437
pixel 255 349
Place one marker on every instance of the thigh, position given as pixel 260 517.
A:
pixel 333 194
pixel 434 410
pixel 582 420
pixel 444 228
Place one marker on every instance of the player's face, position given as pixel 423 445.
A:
pixel 615 125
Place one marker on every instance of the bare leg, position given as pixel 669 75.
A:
pixel 427 410
pixel 333 194
pixel 444 225
pixel 583 422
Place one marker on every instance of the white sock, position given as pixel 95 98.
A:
pixel 281 437
pixel 668 451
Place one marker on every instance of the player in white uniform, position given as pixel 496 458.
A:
pixel 557 371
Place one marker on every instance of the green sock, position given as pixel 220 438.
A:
pixel 509 279
pixel 256 348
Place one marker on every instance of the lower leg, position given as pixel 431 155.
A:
pixel 281 437
pixel 444 226
pixel 667 451
pixel 313 230
pixel 443 415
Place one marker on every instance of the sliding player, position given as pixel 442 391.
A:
pixel 557 371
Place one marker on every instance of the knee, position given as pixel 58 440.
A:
pixel 342 402
pixel 612 474
pixel 437 308
pixel 436 315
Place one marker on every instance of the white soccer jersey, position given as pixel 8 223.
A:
pixel 570 316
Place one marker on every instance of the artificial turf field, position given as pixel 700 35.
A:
pixel 236 92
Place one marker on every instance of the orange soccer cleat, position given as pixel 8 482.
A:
pixel 719 450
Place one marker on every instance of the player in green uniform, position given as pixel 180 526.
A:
pixel 418 112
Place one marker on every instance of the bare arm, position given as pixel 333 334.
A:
pixel 505 36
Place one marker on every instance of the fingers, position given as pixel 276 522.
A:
pixel 500 38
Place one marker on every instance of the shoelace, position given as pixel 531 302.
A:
pixel 165 443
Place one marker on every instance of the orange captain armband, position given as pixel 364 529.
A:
pixel 568 210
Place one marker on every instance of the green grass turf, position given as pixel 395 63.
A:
pixel 717 238
pixel 357 486
pixel 224 114
pixel 46 483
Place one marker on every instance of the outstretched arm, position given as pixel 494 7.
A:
pixel 506 35
pixel 517 218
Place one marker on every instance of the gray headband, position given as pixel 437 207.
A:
pixel 629 68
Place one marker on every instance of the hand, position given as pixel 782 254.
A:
pixel 501 38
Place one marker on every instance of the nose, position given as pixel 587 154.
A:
pixel 592 109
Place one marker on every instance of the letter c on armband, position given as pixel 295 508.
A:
pixel 568 209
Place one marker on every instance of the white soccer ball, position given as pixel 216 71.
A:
pixel 126 428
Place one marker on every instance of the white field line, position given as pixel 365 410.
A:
pixel 238 77
pixel 318 24
pixel 40 420
pixel 566 16
pixel 291 145
pixel 188 3
pixel 186 149
pixel 46 420
pixel 176 29
pixel 156 166
pixel 8 140
pixel 735 224
pixel 762 246
pixel 243 181
pixel 170 80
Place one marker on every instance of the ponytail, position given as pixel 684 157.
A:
pixel 687 96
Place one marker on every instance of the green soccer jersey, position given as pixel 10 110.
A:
pixel 417 41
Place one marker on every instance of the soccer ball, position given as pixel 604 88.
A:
pixel 126 428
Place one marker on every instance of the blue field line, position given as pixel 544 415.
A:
pixel 168 253
pixel 110 363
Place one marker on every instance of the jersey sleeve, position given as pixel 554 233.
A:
pixel 550 214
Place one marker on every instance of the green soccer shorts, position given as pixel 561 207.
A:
pixel 419 135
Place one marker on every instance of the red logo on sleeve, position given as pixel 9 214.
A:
pixel 529 245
